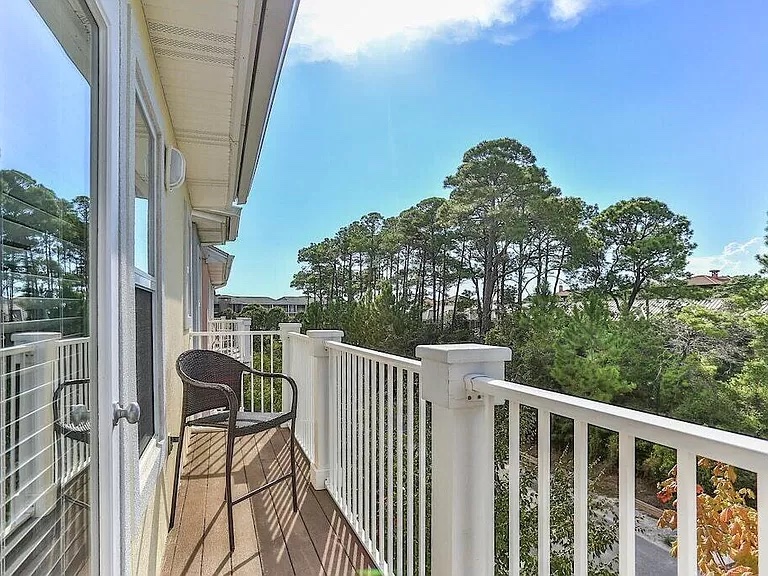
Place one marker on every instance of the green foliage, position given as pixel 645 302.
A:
pixel 762 259
pixel 635 243
pixel 45 274
pixel 264 318
pixel 588 354
pixel 602 527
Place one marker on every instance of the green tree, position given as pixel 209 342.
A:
pixel 762 259
pixel 493 192
pixel 634 243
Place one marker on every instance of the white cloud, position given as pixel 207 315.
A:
pixel 568 10
pixel 735 258
pixel 341 30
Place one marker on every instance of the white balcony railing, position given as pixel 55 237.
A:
pixel 36 461
pixel 258 349
pixel 301 364
pixel 378 448
pixel 406 449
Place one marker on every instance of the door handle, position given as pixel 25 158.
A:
pixel 131 412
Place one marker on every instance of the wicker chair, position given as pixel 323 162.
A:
pixel 212 383
pixel 66 426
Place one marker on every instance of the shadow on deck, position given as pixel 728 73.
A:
pixel 270 539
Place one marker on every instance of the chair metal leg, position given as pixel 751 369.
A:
pixel 176 474
pixel 293 466
pixel 228 490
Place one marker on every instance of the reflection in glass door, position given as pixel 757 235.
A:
pixel 47 107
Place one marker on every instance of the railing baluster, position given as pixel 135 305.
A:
pixel 514 488
pixel 271 357
pixel 364 438
pixel 686 511
pixel 390 469
pixel 333 422
pixel 400 468
pixel 372 451
pixel 544 466
pixel 408 383
pixel 381 476
pixel 762 520
pixel 343 417
pixel 348 499
pixel 356 439
pixel 261 383
pixel 580 495
pixel 422 455
pixel 626 504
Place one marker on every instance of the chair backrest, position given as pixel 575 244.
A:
pixel 196 367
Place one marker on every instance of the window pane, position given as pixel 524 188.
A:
pixel 143 205
pixel 145 373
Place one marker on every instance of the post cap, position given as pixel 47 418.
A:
pixel 326 334
pixel 463 353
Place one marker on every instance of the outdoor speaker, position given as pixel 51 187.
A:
pixel 175 168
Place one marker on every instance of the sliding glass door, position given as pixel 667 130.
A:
pixel 48 79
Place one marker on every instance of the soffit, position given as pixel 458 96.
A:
pixel 205 52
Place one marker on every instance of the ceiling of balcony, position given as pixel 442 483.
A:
pixel 206 53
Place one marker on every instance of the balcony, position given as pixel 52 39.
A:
pixel 400 453
pixel 396 467
pixel 270 538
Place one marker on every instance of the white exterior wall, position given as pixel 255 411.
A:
pixel 152 481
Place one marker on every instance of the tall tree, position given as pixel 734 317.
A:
pixel 492 194
pixel 636 242
pixel 762 259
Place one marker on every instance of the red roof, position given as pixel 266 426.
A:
pixel 708 280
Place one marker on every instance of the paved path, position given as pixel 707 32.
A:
pixel 653 560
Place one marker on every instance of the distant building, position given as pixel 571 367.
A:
pixel 708 281
pixel 292 305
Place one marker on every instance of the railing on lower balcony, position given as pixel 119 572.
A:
pixel 406 449
pixel 258 349
pixel 36 461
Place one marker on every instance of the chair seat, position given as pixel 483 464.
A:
pixel 78 433
pixel 246 422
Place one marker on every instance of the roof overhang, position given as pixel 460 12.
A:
pixel 216 226
pixel 219 64
pixel 219 265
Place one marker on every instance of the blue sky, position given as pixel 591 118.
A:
pixel 616 99
pixel 378 100
pixel 44 104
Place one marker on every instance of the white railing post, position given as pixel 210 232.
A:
pixel 38 381
pixel 462 455
pixel 285 329
pixel 320 468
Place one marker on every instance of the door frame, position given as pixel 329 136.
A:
pixel 106 536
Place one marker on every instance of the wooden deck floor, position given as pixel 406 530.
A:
pixel 270 539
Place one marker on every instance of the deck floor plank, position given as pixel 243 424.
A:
pixel 187 551
pixel 246 559
pixel 324 538
pixel 303 555
pixel 216 557
pixel 272 547
pixel 270 539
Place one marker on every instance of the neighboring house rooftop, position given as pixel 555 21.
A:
pixel 264 300
pixel 706 280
